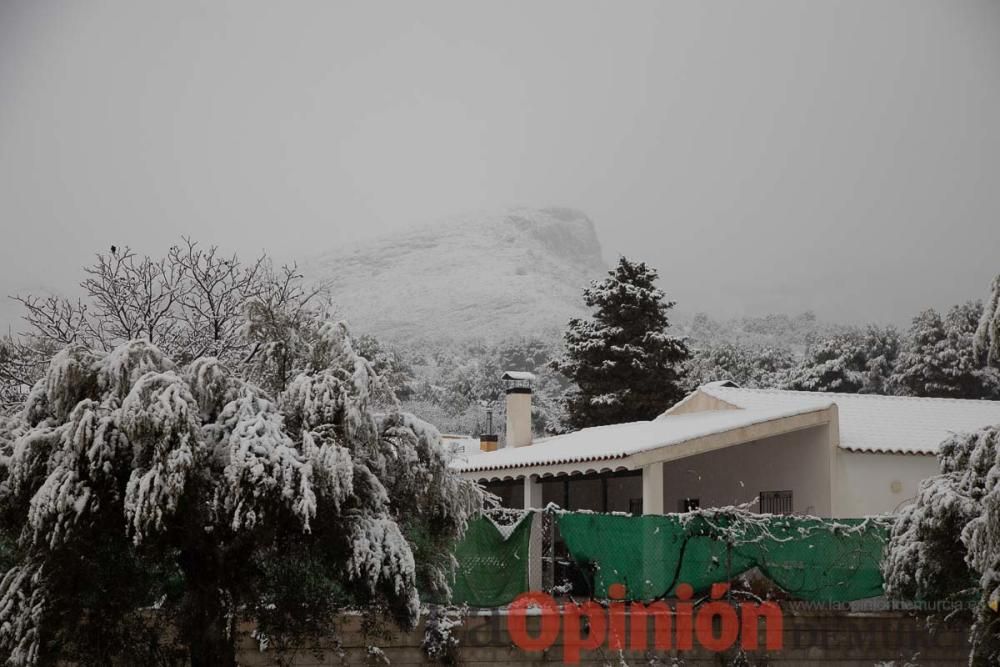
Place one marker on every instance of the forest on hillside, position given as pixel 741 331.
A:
pixel 452 385
pixel 197 301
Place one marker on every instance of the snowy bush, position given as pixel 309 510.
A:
pixel 454 384
pixel 439 642
pixel 747 366
pixel 940 359
pixel 129 483
pixel 851 361
pixel 768 331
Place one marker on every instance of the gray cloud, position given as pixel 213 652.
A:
pixel 765 156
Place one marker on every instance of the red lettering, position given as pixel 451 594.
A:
pixel 639 631
pixel 774 633
pixel 685 639
pixel 573 640
pixel 729 626
pixel 616 633
pixel 517 623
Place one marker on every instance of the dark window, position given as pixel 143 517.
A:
pixel 776 502
pixel 511 492
pixel 688 504
pixel 635 506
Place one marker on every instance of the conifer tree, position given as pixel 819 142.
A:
pixel 625 365
pixel 921 369
pixel 970 376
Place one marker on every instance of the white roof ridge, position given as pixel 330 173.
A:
pixel 690 416
pixel 803 392
pixel 878 422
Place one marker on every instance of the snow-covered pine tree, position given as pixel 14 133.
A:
pixel 987 336
pixel 940 361
pixel 921 368
pixel 625 364
pixel 882 347
pixel 129 484
pixel 969 374
pixel 852 361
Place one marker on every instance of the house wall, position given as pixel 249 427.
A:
pixel 799 461
pixel 864 482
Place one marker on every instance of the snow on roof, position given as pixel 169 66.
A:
pixel 518 375
pixel 621 440
pixel 460 445
pixel 874 423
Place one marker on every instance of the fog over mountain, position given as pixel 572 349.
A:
pixel 764 157
pixel 489 276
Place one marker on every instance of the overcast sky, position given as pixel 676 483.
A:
pixel 765 156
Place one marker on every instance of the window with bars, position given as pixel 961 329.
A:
pixel 776 502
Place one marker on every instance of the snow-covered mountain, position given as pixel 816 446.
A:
pixel 479 276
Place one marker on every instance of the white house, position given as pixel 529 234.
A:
pixel 832 455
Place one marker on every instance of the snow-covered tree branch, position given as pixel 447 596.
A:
pixel 193 302
pixel 987 336
pixel 943 547
pixel 134 487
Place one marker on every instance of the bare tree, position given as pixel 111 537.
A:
pixel 56 319
pixel 22 362
pixel 277 324
pixel 194 302
pixel 134 297
pixel 219 289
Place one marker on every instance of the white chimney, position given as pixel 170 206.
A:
pixel 518 407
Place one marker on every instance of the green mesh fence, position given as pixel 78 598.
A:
pixel 822 560
pixel 492 568
pixel 835 560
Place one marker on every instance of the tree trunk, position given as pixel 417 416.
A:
pixel 209 645
pixel 205 626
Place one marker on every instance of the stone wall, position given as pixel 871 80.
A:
pixel 815 638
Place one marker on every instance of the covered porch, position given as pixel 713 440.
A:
pixel 610 491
